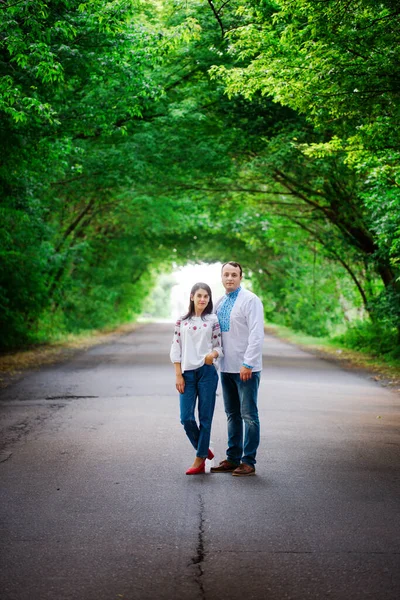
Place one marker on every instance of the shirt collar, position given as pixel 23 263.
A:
pixel 234 293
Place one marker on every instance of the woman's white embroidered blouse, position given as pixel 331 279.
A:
pixel 194 338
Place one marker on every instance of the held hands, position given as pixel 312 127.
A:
pixel 245 373
pixel 180 384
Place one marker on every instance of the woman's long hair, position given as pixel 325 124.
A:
pixel 208 309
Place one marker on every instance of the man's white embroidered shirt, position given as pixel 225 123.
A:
pixel 243 339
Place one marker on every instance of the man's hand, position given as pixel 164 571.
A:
pixel 180 384
pixel 245 373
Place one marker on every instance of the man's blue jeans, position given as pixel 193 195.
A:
pixel 240 400
pixel 200 383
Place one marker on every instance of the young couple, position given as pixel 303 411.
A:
pixel 234 334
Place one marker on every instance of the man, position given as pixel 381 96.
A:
pixel 241 318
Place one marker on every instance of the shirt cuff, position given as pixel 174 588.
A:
pixel 247 366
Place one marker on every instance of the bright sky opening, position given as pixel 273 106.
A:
pixel 186 277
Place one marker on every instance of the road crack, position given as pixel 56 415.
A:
pixel 5 456
pixel 68 397
pixel 198 559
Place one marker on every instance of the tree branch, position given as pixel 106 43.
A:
pixel 337 257
pixel 222 6
pixel 216 14
pixel 74 224
pixel 5 6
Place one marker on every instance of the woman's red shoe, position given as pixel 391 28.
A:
pixel 197 470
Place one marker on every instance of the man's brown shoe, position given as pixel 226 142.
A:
pixel 243 470
pixel 224 467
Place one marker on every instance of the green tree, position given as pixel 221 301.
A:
pixel 335 64
pixel 137 134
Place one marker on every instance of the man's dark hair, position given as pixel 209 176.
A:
pixel 234 264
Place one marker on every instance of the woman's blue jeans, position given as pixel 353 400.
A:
pixel 200 383
pixel 240 400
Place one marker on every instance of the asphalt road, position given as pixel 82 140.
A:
pixel 95 503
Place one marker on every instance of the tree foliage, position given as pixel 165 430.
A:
pixel 137 134
pixel 334 63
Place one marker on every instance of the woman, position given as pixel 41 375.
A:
pixel 195 346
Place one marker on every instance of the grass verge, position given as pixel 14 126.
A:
pixel 13 364
pixel 387 373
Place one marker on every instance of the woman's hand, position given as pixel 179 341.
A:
pixel 209 358
pixel 180 384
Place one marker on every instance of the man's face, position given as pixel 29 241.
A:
pixel 231 278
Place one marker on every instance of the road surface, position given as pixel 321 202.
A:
pixel 95 503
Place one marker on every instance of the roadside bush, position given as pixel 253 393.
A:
pixel 378 338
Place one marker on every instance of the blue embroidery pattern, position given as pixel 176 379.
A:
pixel 225 308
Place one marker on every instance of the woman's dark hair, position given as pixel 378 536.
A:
pixel 208 309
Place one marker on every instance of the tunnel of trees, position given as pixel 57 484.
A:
pixel 137 134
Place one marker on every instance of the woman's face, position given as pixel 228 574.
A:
pixel 200 299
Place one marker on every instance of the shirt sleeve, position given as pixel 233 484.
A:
pixel 217 338
pixel 176 346
pixel 255 323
